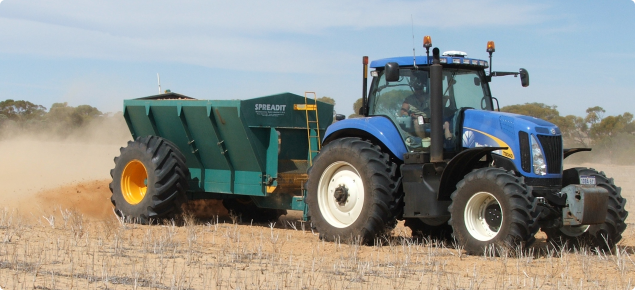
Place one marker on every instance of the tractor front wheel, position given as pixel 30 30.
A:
pixel 602 236
pixel 492 208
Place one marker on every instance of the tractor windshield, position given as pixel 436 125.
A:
pixel 407 102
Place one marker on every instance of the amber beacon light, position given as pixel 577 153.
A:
pixel 490 46
pixel 427 41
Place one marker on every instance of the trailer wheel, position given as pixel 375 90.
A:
pixel 245 208
pixel 352 191
pixel 492 208
pixel 603 236
pixel 422 230
pixel 149 180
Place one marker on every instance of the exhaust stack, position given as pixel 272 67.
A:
pixel 436 108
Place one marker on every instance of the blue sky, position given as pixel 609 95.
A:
pixel 578 53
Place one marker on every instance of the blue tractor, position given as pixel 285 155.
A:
pixel 433 150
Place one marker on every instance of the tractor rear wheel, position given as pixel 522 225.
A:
pixel 149 180
pixel 492 208
pixel 352 191
pixel 602 236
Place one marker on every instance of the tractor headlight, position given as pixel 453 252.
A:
pixel 538 157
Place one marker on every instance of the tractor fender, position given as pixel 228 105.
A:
pixel 462 164
pixel 568 152
pixel 380 130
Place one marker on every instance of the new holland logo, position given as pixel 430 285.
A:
pixel 270 110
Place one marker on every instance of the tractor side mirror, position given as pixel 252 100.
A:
pixel 391 71
pixel 524 77
pixel 339 117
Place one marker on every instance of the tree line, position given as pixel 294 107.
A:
pixel 18 117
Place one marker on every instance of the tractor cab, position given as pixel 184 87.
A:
pixel 406 98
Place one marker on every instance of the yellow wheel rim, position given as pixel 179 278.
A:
pixel 134 181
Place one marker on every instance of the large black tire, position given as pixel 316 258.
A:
pixel 602 236
pixel 422 230
pixel 246 210
pixel 492 208
pixel 352 191
pixel 149 180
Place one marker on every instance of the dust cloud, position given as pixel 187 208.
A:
pixel 616 150
pixel 45 170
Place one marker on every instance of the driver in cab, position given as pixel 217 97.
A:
pixel 418 103
pixel 417 106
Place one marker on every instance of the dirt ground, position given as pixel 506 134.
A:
pixel 58 231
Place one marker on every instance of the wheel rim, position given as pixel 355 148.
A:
pixel 340 194
pixel 574 231
pixel 483 216
pixel 134 182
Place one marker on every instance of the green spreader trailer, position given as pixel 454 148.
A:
pixel 252 154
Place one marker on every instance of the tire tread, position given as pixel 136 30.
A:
pixel 524 224
pixel 386 204
pixel 172 175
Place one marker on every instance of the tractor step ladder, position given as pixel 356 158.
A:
pixel 311 124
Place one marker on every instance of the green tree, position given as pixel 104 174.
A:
pixel 594 115
pixel 573 128
pixel 612 135
pixel 87 113
pixel 629 127
pixel 60 113
pixel 538 110
pixel 610 126
pixel 356 106
pixel 71 117
pixel 21 111
pixel 328 100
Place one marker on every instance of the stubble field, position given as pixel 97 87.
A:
pixel 58 231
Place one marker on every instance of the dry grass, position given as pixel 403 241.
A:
pixel 65 250
pixel 75 242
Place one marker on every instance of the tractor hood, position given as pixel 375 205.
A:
pixel 498 129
